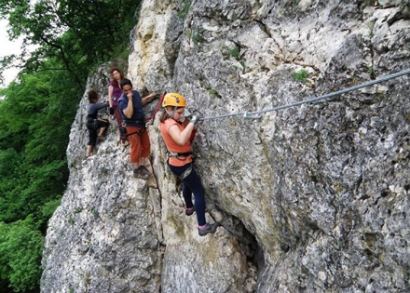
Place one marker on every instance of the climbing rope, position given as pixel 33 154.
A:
pixel 150 119
pixel 251 115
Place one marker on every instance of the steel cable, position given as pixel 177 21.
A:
pixel 323 97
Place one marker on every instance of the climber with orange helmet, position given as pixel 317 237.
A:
pixel 130 104
pixel 176 132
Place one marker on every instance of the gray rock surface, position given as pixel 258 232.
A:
pixel 313 198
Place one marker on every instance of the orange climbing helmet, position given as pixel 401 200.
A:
pixel 174 99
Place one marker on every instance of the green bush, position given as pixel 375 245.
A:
pixel 21 245
pixel 235 53
pixel 183 11
pixel 301 75
pixel 37 112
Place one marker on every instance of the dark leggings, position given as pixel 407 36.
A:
pixel 93 132
pixel 192 184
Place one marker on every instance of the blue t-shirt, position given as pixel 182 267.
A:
pixel 93 108
pixel 137 118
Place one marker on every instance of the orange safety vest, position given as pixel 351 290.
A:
pixel 173 147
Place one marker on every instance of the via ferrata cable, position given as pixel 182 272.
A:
pixel 251 115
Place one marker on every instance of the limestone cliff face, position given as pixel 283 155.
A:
pixel 313 198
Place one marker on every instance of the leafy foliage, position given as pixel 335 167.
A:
pixel 21 245
pixel 78 33
pixel 70 37
pixel 301 75
pixel 34 125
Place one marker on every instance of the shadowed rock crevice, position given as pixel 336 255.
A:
pixel 249 247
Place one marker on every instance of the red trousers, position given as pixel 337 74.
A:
pixel 139 143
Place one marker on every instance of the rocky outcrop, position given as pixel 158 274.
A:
pixel 313 198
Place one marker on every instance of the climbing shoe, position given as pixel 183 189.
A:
pixel 209 228
pixel 141 173
pixel 145 171
pixel 189 211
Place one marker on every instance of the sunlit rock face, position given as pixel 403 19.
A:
pixel 311 198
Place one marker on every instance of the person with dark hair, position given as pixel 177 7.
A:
pixel 130 104
pixel 114 94
pixel 95 125
pixel 178 138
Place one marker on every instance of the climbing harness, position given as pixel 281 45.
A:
pixel 135 132
pixel 123 129
pixel 186 173
pixel 251 115
pixel 124 122
pixel 177 155
pixel 94 122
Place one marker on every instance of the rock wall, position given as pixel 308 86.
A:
pixel 313 198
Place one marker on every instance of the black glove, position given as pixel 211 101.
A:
pixel 111 111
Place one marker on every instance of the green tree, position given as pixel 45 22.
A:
pixel 71 37
pixel 35 121
pixel 21 245
pixel 79 33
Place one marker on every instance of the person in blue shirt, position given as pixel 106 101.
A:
pixel 95 125
pixel 130 104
